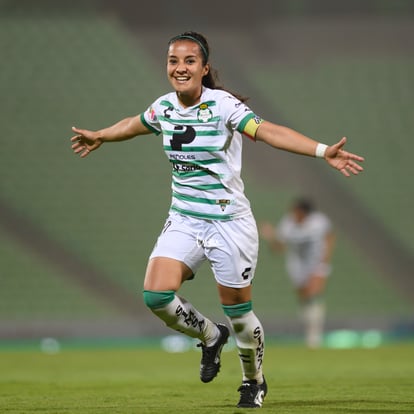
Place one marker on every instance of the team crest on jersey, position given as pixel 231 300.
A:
pixel 204 113
pixel 223 203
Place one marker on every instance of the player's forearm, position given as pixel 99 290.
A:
pixel 275 245
pixel 329 246
pixel 278 246
pixel 285 138
pixel 123 130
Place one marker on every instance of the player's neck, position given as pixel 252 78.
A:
pixel 187 100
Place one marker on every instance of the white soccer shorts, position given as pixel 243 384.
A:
pixel 231 247
pixel 300 271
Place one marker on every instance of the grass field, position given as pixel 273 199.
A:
pixel 152 381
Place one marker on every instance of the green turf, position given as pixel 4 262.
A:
pixel 149 381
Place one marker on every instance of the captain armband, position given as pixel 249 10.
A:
pixel 251 126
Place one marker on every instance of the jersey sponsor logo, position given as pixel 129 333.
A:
pixel 182 157
pixel 182 135
pixel 204 113
pixel 186 167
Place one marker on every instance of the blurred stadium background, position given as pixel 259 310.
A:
pixel 75 234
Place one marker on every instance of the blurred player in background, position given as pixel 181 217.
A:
pixel 307 239
pixel 210 218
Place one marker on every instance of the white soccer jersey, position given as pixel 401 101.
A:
pixel 204 145
pixel 305 243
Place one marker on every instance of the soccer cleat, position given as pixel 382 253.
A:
pixel 252 394
pixel 210 360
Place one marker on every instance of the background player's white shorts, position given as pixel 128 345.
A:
pixel 231 246
pixel 301 271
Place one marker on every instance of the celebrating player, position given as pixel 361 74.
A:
pixel 210 217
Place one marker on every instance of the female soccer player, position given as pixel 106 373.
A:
pixel 210 217
pixel 307 237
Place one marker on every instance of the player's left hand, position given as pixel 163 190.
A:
pixel 342 160
pixel 85 141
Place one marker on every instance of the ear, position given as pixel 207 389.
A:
pixel 206 69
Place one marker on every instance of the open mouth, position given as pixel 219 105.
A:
pixel 182 79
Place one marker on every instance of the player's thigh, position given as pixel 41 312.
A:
pixel 164 273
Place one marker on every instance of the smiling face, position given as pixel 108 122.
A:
pixel 185 70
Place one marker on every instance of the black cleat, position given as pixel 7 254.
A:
pixel 210 360
pixel 252 394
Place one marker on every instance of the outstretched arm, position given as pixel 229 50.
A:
pixel 287 139
pixel 267 232
pixel 85 141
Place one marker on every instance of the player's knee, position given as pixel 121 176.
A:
pixel 235 311
pixel 157 299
